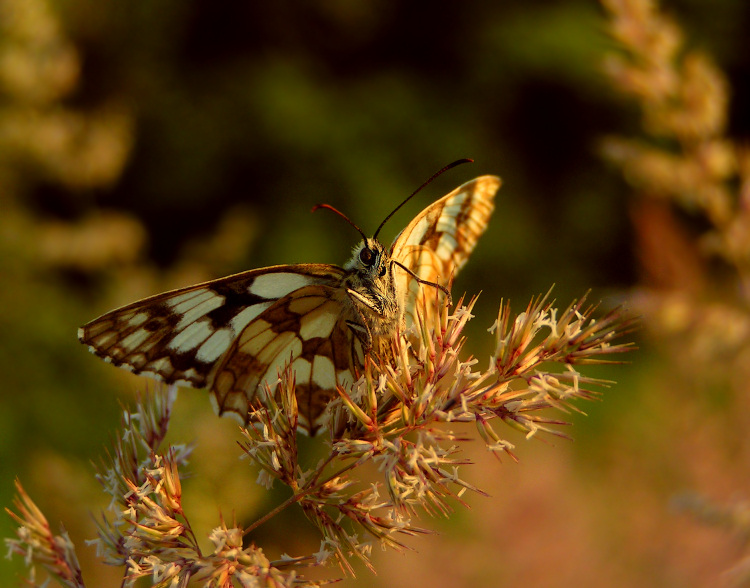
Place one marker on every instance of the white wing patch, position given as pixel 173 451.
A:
pixel 243 318
pixel 417 232
pixel 191 336
pixel 277 285
pixel 446 246
pixel 138 319
pixel 302 369
pixel 216 345
pixel 136 338
pixel 447 221
pixel 316 324
pixel 323 372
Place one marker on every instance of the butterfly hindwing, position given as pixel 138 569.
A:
pixel 307 329
pixel 438 241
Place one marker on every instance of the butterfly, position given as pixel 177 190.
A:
pixel 236 334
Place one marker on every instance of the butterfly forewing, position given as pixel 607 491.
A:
pixel 192 335
pixel 438 242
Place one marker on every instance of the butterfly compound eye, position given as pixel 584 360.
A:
pixel 367 256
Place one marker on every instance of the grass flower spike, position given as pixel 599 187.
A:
pixel 404 421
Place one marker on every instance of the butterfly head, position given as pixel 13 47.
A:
pixel 369 259
pixel 372 289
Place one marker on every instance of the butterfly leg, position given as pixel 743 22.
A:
pixel 380 346
pixel 362 328
pixel 361 331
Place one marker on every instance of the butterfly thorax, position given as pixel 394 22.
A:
pixel 372 291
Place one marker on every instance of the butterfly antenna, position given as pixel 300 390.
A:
pixel 432 177
pixel 342 215
pixel 440 287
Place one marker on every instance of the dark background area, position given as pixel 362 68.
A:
pixel 163 143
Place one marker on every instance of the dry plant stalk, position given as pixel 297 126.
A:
pixel 397 417
pixel 686 162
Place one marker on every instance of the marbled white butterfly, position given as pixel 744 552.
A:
pixel 237 333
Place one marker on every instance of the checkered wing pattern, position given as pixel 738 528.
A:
pixel 234 334
pixel 438 242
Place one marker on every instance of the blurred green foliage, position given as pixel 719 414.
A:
pixel 146 145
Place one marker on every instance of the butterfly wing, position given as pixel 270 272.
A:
pixel 233 334
pixel 307 329
pixel 438 242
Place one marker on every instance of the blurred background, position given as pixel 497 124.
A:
pixel 151 145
